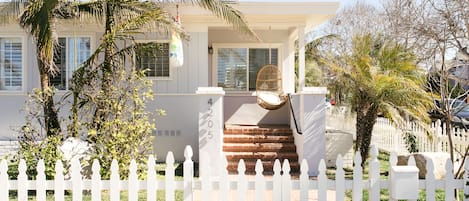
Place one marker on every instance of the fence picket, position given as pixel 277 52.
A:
pixel 169 177
pixel 40 181
pixel 115 182
pixel 133 181
pixel 466 181
pixel 22 182
pixel 4 183
pixel 374 175
pixel 224 187
pixel 304 180
pixel 277 182
pixel 96 181
pixel 430 181
pixel 286 180
pixel 449 190
pixel 76 180
pixel 188 173
pixel 59 181
pixel 151 178
pixel 205 175
pixel 260 181
pixel 339 179
pixel 281 182
pixel 357 178
pixel 322 181
pixel 242 181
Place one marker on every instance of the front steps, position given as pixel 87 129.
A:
pixel 259 142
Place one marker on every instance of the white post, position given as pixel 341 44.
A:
pixel 301 58
pixel 312 119
pixel 211 125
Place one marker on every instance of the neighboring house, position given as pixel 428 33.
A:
pixel 215 56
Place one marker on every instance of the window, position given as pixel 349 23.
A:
pixel 69 55
pixel 153 58
pixel 238 67
pixel 11 64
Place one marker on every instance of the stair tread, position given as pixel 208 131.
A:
pixel 262 153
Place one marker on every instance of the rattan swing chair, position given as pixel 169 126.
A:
pixel 269 88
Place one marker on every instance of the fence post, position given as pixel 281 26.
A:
pixel 304 180
pixel 188 173
pixel 211 125
pixel 322 181
pixel 260 181
pixel 374 175
pixel 5 186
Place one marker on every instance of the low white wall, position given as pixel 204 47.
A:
pixel 178 128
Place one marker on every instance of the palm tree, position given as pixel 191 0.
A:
pixel 124 18
pixel 382 78
pixel 39 18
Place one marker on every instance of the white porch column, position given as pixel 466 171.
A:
pixel 301 58
pixel 211 126
pixel 312 144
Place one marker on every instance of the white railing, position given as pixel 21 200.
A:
pixel 389 138
pixel 280 186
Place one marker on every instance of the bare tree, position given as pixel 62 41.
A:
pixel 437 31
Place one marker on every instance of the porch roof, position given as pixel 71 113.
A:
pixel 265 14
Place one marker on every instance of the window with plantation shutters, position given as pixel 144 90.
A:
pixel 237 68
pixel 153 58
pixel 11 64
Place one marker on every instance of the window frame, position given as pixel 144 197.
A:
pixel 214 69
pixel 157 78
pixel 71 35
pixel 24 63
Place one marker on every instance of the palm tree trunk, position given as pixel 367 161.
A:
pixel 366 118
pixel 51 120
pixel 107 68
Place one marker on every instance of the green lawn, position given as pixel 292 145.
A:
pixel 105 196
pixel 383 158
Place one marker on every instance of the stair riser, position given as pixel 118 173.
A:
pixel 267 133
pixel 254 158
pixel 258 149
pixel 267 168
pixel 259 139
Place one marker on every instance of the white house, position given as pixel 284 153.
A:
pixel 215 56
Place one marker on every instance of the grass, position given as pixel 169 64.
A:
pixel 384 167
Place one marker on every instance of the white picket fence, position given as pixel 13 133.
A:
pixel 280 185
pixel 390 138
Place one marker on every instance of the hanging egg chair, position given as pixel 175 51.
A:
pixel 269 88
